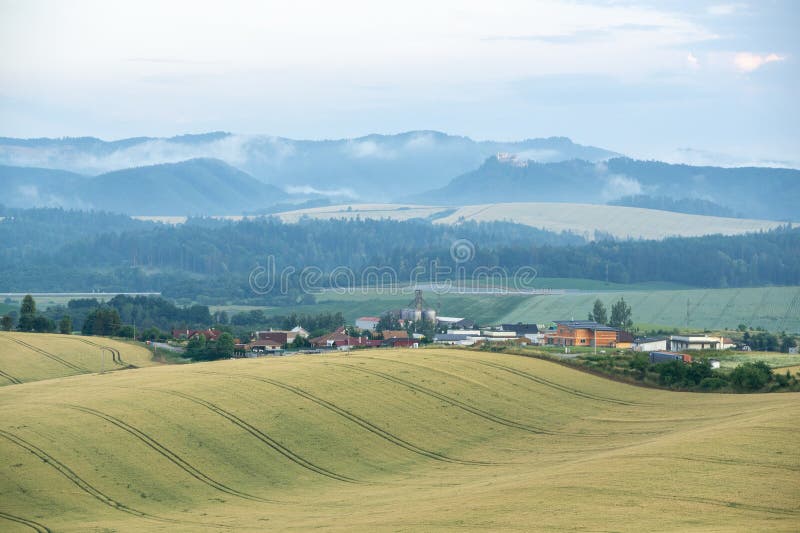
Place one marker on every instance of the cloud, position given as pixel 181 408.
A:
pixel 725 9
pixel 748 62
pixel 692 60
pixel 308 189
pixel 617 185
pixel 362 149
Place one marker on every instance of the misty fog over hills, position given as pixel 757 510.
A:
pixel 222 173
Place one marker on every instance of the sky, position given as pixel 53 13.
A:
pixel 697 82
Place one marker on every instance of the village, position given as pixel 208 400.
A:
pixel 395 329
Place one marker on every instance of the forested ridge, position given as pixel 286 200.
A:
pixel 55 250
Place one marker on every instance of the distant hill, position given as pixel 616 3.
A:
pixel 755 192
pixel 197 186
pixel 373 167
pixel 39 187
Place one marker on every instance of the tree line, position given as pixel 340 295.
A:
pixel 210 261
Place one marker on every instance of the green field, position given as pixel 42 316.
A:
pixel 36 356
pixel 772 308
pixel 391 440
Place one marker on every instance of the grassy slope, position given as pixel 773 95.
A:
pixel 177 448
pixel 773 308
pixel 35 356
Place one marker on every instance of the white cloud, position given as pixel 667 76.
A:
pixel 748 62
pixel 692 60
pixel 361 149
pixel 618 186
pixel 725 9
pixel 308 189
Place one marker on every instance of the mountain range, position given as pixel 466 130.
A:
pixel 194 187
pixel 224 173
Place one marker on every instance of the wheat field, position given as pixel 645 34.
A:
pixel 405 440
pixel 35 356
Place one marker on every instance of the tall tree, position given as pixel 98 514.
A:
pixel 599 313
pixel 65 325
pixel 28 306
pixel 7 322
pixel 225 345
pixel 621 315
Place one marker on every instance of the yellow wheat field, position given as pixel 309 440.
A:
pixel 400 440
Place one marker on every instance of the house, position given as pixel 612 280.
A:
pixel 453 339
pixel 368 323
pixel 624 340
pixel 287 336
pixel 280 338
pixel 649 344
pixel 520 329
pixel 498 335
pixel 394 334
pixel 581 333
pixel 471 332
pixel 299 332
pixel 340 339
pixel 455 323
pixel 210 334
pixel 266 345
pixel 666 357
pixel 727 344
pixel 694 342
pixel 529 331
pixel 394 342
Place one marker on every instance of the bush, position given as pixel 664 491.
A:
pixel 751 376
pixel 713 383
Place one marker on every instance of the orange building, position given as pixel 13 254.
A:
pixel 581 333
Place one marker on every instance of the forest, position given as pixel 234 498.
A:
pixel 210 261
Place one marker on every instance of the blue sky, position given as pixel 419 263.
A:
pixel 700 82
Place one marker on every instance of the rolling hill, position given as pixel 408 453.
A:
pixel 193 187
pixel 197 186
pixel 586 220
pixel 372 167
pixel 26 357
pixel 767 193
pixel 391 440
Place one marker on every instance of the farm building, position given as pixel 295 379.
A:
pixel 287 336
pixel 666 357
pixel 210 334
pixel 394 334
pixel 624 340
pixel 649 344
pixel 694 342
pixel 368 323
pixel 454 339
pixel 581 333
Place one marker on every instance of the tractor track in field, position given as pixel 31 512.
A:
pixel 556 386
pixel 457 403
pixel 36 526
pixel 263 437
pixel 116 356
pixel 9 377
pixel 51 356
pixel 365 424
pixel 85 486
pixel 175 459
pixel 541 381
